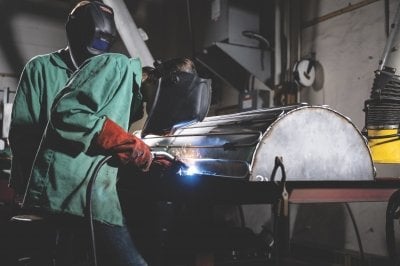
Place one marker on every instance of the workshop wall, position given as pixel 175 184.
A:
pixel 348 47
pixel 28 28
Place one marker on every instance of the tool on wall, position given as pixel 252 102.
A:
pixel 308 72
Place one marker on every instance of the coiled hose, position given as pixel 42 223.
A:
pixel 383 108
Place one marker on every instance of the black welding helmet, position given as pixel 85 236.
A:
pixel 181 99
pixel 90 30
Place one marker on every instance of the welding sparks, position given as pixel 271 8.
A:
pixel 186 152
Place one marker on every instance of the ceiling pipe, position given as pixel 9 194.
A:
pixel 129 32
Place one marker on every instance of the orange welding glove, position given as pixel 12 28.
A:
pixel 163 163
pixel 125 147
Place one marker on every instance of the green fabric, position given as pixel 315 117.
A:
pixel 66 159
pixel 42 78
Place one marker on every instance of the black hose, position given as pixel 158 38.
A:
pixel 360 246
pixel 277 210
pixel 392 213
pixel 278 164
pixel 89 214
pixel 383 107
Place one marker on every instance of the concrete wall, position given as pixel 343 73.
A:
pixel 28 29
pixel 348 47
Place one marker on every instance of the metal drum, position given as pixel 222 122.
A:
pixel 314 142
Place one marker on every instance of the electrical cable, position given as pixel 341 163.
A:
pixel 360 246
pixel 392 213
pixel 278 164
pixel 261 39
pixel 277 208
pixel 258 37
pixel 242 218
pixel 88 213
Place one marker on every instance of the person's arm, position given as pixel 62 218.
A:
pixel 95 110
pixel 24 135
pixel 26 106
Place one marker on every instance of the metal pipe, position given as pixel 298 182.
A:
pixel 336 13
pixel 8 75
pixel 391 58
pixel 277 54
pixel 129 32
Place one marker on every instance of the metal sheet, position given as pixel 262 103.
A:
pixel 316 143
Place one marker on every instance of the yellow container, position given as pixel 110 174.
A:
pixel 384 150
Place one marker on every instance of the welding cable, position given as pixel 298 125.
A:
pixel 392 213
pixel 258 37
pixel 277 208
pixel 241 214
pixel 88 211
pixel 360 246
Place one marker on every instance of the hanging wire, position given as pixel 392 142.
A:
pixel 392 213
pixel 360 246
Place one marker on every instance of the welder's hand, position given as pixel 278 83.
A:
pixel 133 150
pixel 125 147
pixel 162 163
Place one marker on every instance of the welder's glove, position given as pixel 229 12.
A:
pixel 167 166
pixel 163 163
pixel 125 147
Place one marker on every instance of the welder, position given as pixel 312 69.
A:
pixel 69 113
pixel 90 30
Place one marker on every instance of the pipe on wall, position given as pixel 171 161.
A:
pixel 277 48
pixel 336 13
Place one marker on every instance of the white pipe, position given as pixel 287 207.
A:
pixel 391 56
pixel 129 32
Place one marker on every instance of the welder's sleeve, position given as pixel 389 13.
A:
pixel 102 88
pixel 25 133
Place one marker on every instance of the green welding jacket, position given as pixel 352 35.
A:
pixel 103 87
pixel 42 78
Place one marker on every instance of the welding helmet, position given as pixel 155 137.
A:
pixel 90 30
pixel 181 99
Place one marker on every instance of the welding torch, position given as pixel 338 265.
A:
pixel 175 163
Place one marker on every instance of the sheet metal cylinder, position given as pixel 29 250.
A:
pixel 315 143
